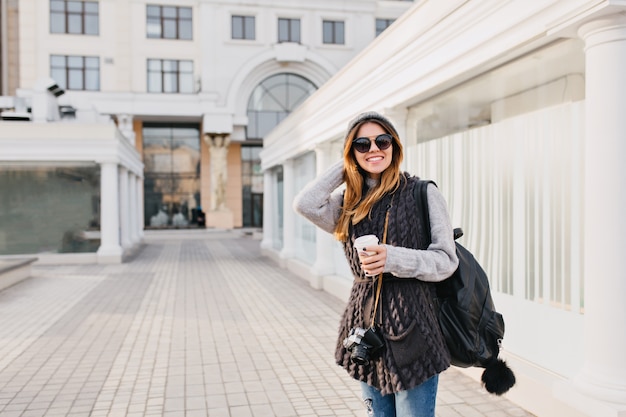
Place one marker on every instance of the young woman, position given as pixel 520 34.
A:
pixel 389 337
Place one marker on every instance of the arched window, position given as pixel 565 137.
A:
pixel 270 102
pixel 273 99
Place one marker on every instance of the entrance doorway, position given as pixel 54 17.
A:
pixel 252 180
pixel 171 175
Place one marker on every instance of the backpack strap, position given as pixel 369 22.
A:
pixel 421 197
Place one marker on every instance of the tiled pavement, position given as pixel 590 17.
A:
pixel 197 324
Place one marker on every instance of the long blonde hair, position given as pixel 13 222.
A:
pixel 356 206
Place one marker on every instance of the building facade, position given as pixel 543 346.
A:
pixel 514 109
pixel 193 86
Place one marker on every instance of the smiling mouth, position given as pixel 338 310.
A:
pixel 374 159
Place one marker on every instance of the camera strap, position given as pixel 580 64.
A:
pixel 379 286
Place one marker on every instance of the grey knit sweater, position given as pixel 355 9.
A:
pixel 320 201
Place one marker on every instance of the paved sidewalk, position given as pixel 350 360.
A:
pixel 198 324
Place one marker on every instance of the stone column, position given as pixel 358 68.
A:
pixel 603 376
pixel 269 210
pixel 124 208
pixel 324 242
pixel 110 250
pixel 289 216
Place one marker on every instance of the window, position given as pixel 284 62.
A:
pixel 170 76
pixel 243 27
pixel 252 186
pixel 171 155
pixel 333 32
pixel 273 100
pixel 169 22
pixel 289 30
pixel 382 24
pixel 74 17
pixel 76 72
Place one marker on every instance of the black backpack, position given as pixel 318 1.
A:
pixel 471 326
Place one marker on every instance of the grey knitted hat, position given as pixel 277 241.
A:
pixel 371 115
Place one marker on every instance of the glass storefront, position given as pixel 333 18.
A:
pixel 49 209
pixel 171 155
pixel 252 180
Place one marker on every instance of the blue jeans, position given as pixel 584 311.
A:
pixel 416 402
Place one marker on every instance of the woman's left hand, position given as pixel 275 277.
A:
pixel 374 265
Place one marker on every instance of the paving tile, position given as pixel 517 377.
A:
pixel 198 324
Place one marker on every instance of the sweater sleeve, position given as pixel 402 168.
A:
pixel 439 261
pixel 320 201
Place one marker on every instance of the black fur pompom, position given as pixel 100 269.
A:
pixel 498 378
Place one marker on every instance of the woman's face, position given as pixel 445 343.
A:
pixel 374 161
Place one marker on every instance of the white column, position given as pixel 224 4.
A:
pixel 603 376
pixel 324 242
pixel 140 213
pixel 124 208
pixel 133 212
pixel 269 204
pixel 110 250
pixel 289 216
pixel 399 118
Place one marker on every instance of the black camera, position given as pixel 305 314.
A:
pixel 363 344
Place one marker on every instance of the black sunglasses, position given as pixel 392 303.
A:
pixel 363 144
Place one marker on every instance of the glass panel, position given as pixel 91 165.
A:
pixel 75 61
pixel 57 23
pixel 170 83
pixel 154 65
pixel 92 80
pixel 153 27
pixel 49 209
pixel 185 66
pixel 58 75
pixel 57 5
pixel 91 7
pixel 92 25
pixel 327 29
pixel 154 83
pixel 295 30
pixel 339 33
pixel 252 186
pixel 186 83
pixel 249 28
pixel 184 13
pixel 75 81
pixel 283 30
pixel 185 29
pixel 57 61
pixel 169 12
pixel 169 29
pixel 153 11
pixel 237 27
pixel 75 23
pixel 92 62
pixel 75 6
pixel 170 65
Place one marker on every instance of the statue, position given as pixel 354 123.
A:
pixel 218 148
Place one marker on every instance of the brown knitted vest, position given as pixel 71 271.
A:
pixel 414 347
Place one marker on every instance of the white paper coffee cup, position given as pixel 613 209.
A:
pixel 362 242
